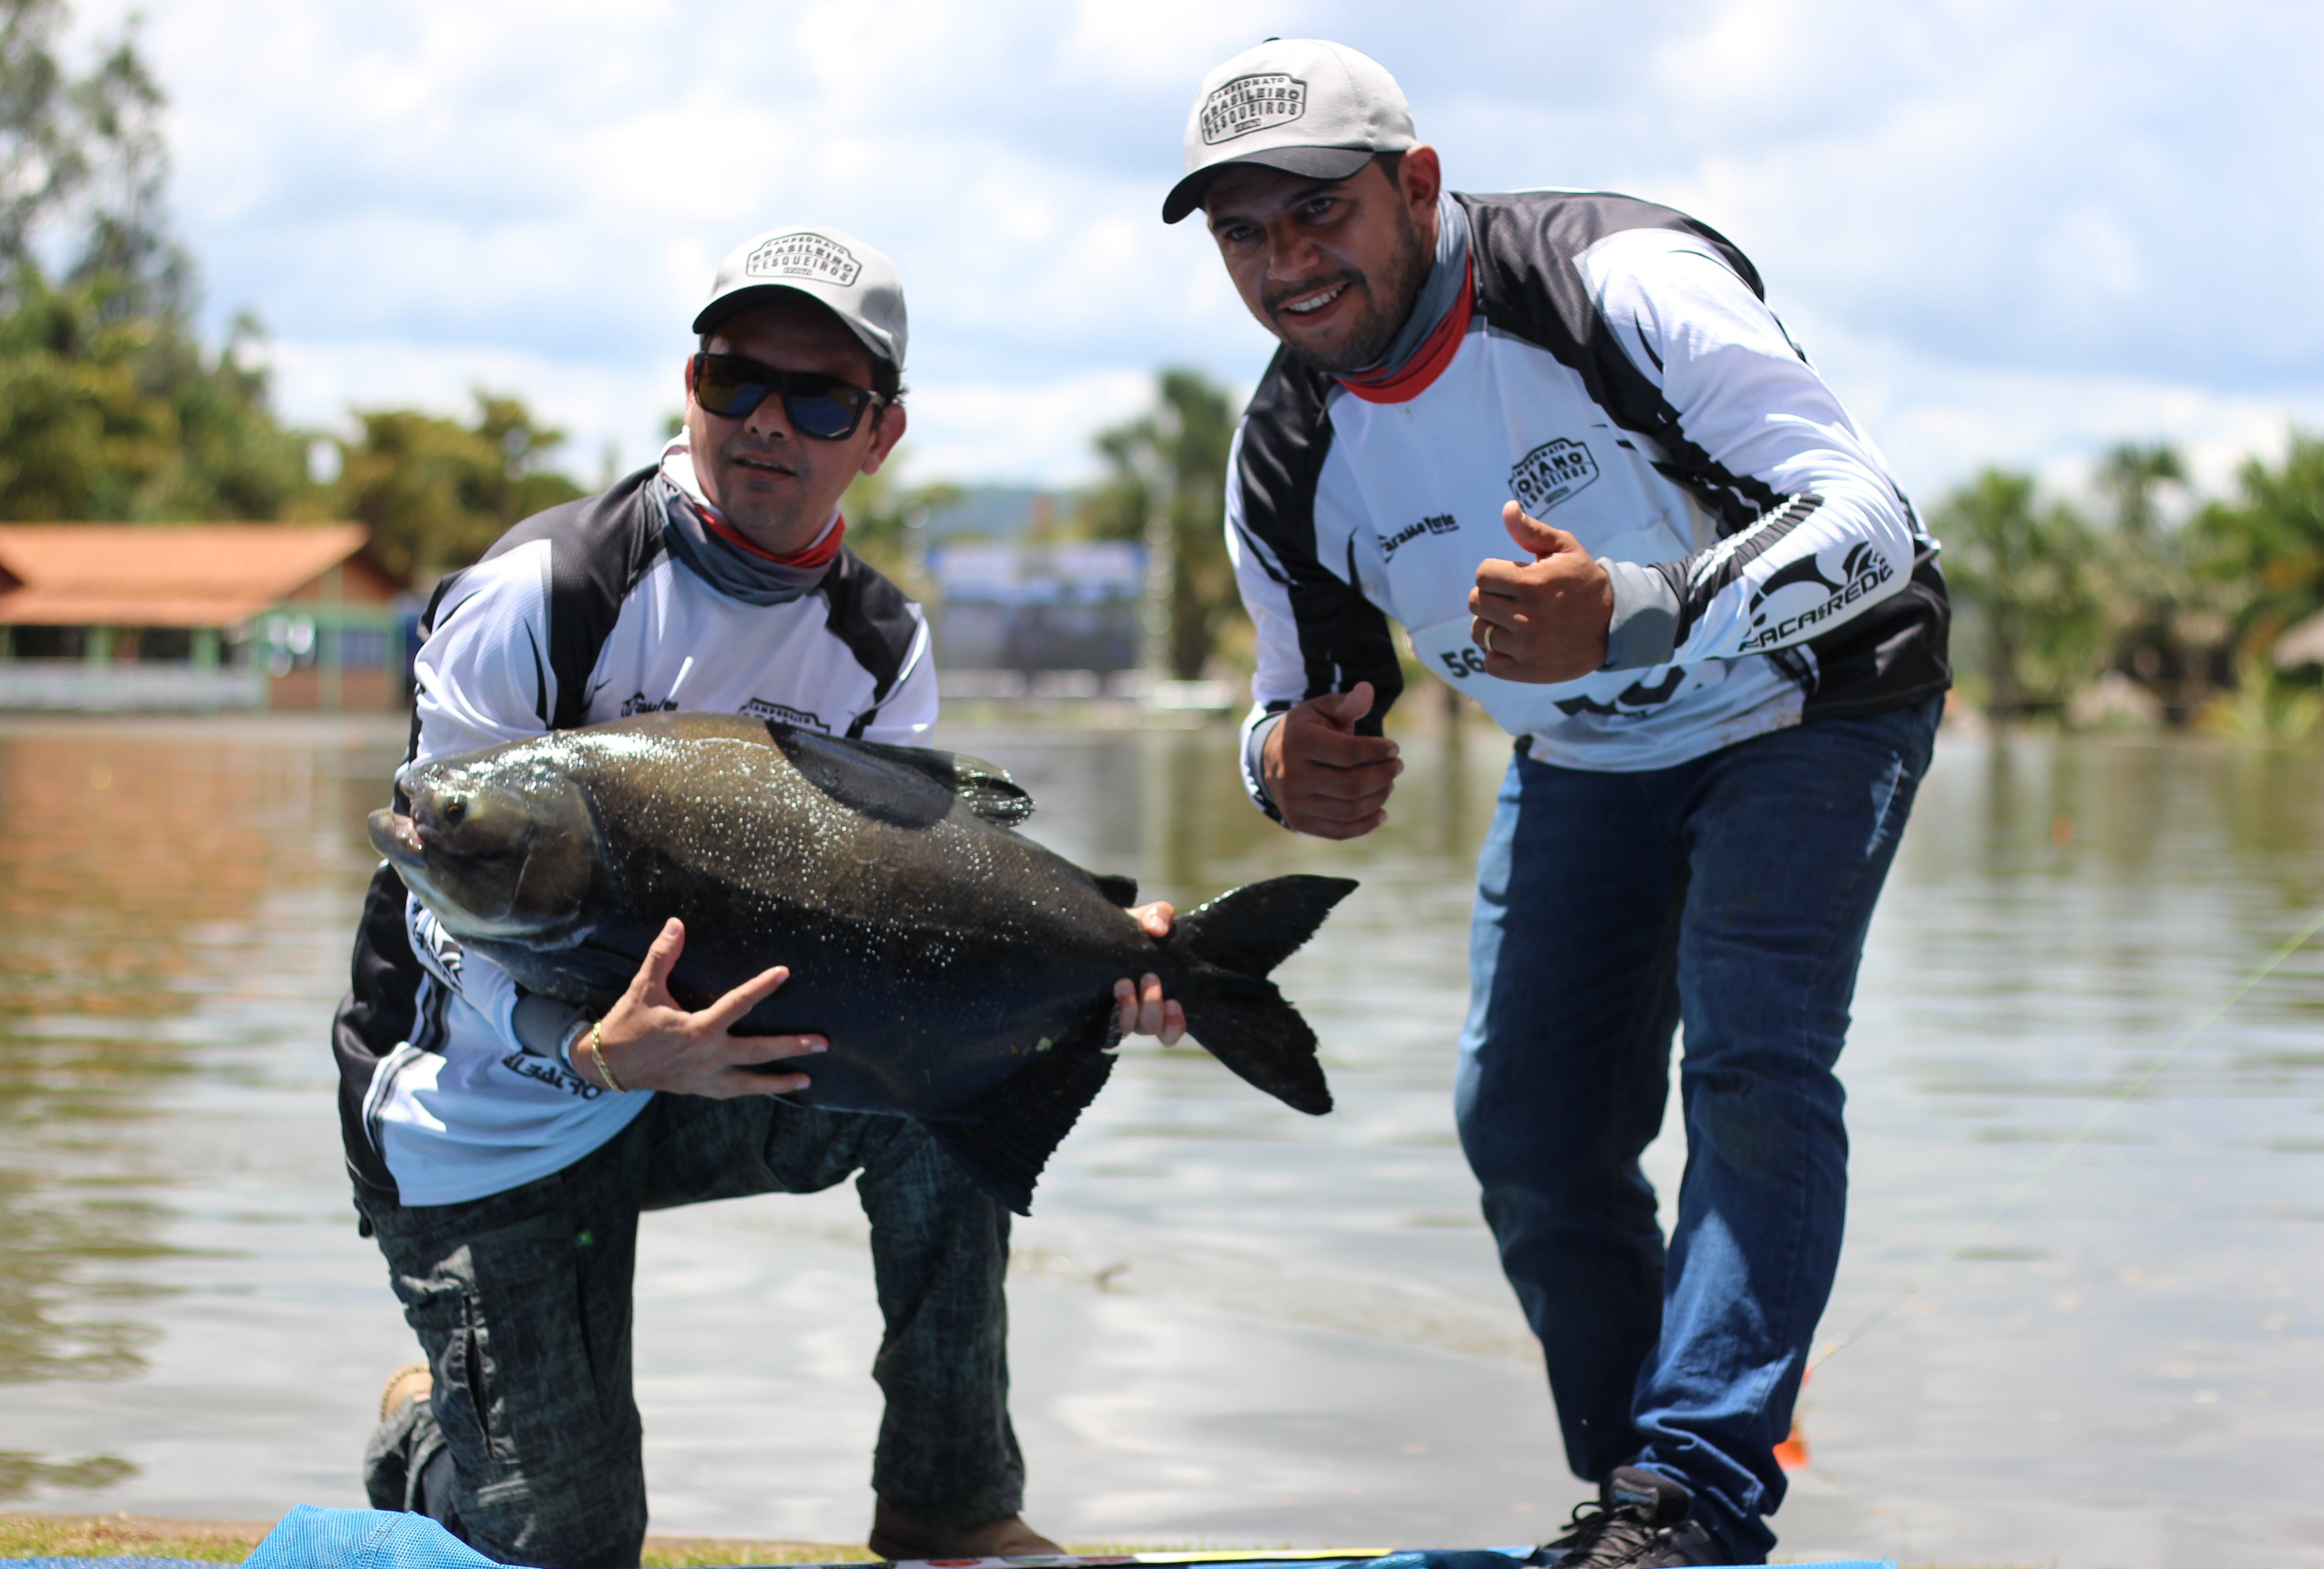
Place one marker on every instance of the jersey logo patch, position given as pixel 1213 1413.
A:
pixel 1862 570
pixel 805 254
pixel 1441 524
pixel 639 703
pixel 1552 472
pixel 758 707
pixel 1253 103
pixel 555 1075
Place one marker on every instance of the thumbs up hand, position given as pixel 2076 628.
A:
pixel 1324 778
pixel 1545 619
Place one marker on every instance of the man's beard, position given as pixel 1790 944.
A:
pixel 1385 309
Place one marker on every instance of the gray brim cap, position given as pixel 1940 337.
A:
pixel 1301 105
pixel 831 267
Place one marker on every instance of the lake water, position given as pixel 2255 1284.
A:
pixel 1232 1323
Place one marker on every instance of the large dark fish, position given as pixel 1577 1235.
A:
pixel 963 974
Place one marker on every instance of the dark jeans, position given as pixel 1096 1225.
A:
pixel 521 1302
pixel 1730 894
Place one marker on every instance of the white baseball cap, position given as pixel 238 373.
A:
pixel 831 267
pixel 1301 105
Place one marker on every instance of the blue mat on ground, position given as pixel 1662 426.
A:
pixel 310 1537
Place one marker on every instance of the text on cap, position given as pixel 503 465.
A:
pixel 804 254
pixel 1253 103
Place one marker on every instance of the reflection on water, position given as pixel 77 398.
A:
pixel 1231 1321
pixel 147 875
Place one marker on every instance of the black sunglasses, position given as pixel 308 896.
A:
pixel 823 407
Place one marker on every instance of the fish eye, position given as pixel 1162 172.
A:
pixel 456 809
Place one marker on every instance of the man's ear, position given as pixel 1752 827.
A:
pixel 887 429
pixel 1421 175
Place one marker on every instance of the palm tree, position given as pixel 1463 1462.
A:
pixel 2028 578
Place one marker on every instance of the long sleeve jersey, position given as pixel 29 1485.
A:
pixel 1621 377
pixel 450 1090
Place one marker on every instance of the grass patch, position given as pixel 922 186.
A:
pixel 126 1537
pixel 29 1536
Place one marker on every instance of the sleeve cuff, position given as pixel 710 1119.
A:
pixel 1254 750
pixel 542 1025
pixel 1643 628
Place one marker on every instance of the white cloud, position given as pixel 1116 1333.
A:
pixel 2007 226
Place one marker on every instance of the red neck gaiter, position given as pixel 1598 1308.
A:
pixel 818 554
pixel 1416 374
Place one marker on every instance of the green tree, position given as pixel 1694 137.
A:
pixel 84 152
pixel 435 492
pixel 1178 451
pixel 882 514
pixel 2265 551
pixel 2162 627
pixel 2028 578
pixel 110 407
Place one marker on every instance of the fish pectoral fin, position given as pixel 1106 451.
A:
pixel 1006 1138
pixel 984 787
pixel 1118 888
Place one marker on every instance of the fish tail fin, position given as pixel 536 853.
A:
pixel 1226 950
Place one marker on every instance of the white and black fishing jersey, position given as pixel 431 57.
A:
pixel 584 613
pixel 1620 375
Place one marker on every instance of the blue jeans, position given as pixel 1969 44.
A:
pixel 1730 894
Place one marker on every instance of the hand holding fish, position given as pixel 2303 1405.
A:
pixel 650 1043
pixel 1139 1008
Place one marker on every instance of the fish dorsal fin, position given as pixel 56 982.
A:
pixel 1006 1138
pixel 983 787
pixel 1117 887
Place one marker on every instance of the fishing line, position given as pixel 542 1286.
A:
pixel 2291 945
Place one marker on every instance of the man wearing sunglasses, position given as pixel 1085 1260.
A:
pixel 503 1144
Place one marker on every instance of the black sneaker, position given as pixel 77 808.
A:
pixel 1641 1521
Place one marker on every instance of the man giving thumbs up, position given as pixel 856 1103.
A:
pixel 1720 650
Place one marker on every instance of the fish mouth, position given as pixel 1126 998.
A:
pixel 397 837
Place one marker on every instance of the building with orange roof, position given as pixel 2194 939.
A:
pixel 197 616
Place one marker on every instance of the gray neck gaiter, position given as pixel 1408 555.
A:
pixel 737 573
pixel 1437 291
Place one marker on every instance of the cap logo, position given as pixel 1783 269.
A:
pixel 804 254
pixel 1254 103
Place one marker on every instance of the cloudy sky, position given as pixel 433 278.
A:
pixel 2007 232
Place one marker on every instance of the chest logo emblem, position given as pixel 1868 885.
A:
pixel 758 707
pixel 1552 472
pixel 1440 524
